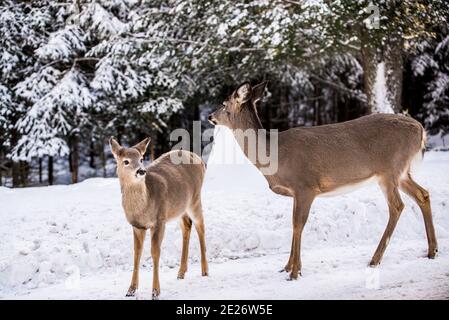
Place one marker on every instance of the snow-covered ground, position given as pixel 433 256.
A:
pixel 73 242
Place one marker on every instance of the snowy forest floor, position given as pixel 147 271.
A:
pixel 328 273
pixel 73 242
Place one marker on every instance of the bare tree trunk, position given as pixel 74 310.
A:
pixel 394 66
pixel 92 155
pixel 103 160
pixel 24 168
pixel 2 168
pixel 15 174
pixel 74 157
pixel 50 171
pixel 369 64
pixel 70 159
pixel 40 170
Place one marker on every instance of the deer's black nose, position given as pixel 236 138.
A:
pixel 141 172
pixel 211 119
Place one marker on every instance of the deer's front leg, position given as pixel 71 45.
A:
pixel 301 208
pixel 139 237
pixel 157 234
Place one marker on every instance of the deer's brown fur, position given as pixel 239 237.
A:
pixel 156 194
pixel 324 160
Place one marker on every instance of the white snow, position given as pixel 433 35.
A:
pixel 73 242
pixel 380 91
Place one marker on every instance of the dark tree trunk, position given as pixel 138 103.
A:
pixel 394 66
pixel 369 64
pixel 15 174
pixel 50 171
pixel 92 155
pixel 24 168
pixel 70 160
pixel 40 170
pixel 74 157
pixel 103 160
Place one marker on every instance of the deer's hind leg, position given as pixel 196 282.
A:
pixel 186 227
pixel 198 221
pixel 395 207
pixel 422 199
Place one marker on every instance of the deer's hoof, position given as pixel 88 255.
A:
pixel 155 295
pixel 432 254
pixel 205 273
pixel 294 275
pixel 131 292
pixel 180 276
pixel 374 264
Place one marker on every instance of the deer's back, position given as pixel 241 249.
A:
pixel 177 185
pixel 349 152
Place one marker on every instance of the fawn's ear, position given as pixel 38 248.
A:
pixel 258 91
pixel 142 145
pixel 243 93
pixel 115 147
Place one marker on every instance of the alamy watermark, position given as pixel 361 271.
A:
pixel 260 146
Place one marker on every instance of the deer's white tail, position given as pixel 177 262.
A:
pixel 417 159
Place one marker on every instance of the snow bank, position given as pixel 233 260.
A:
pixel 56 234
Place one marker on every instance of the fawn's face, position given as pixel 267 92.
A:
pixel 239 107
pixel 130 167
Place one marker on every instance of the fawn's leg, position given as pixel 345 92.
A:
pixel 395 207
pixel 422 199
pixel 139 237
pixel 157 234
pixel 198 220
pixel 186 227
pixel 199 226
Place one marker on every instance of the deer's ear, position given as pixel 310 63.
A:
pixel 115 147
pixel 142 145
pixel 258 91
pixel 243 93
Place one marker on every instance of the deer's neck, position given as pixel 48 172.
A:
pixel 135 197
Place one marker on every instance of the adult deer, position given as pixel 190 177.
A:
pixel 328 159
pixel 153 195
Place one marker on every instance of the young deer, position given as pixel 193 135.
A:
pixel 153 195
pixel 328 159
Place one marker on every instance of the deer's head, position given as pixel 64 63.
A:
pixel 130 167
pixel 240 107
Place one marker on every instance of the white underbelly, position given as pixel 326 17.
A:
pixel 349 188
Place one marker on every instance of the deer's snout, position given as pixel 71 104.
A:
pixel 141 172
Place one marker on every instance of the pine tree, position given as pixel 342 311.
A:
pixel 23 27
pixel 430 65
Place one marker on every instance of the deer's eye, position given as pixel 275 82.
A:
pixel 141 160
pixel 126 162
